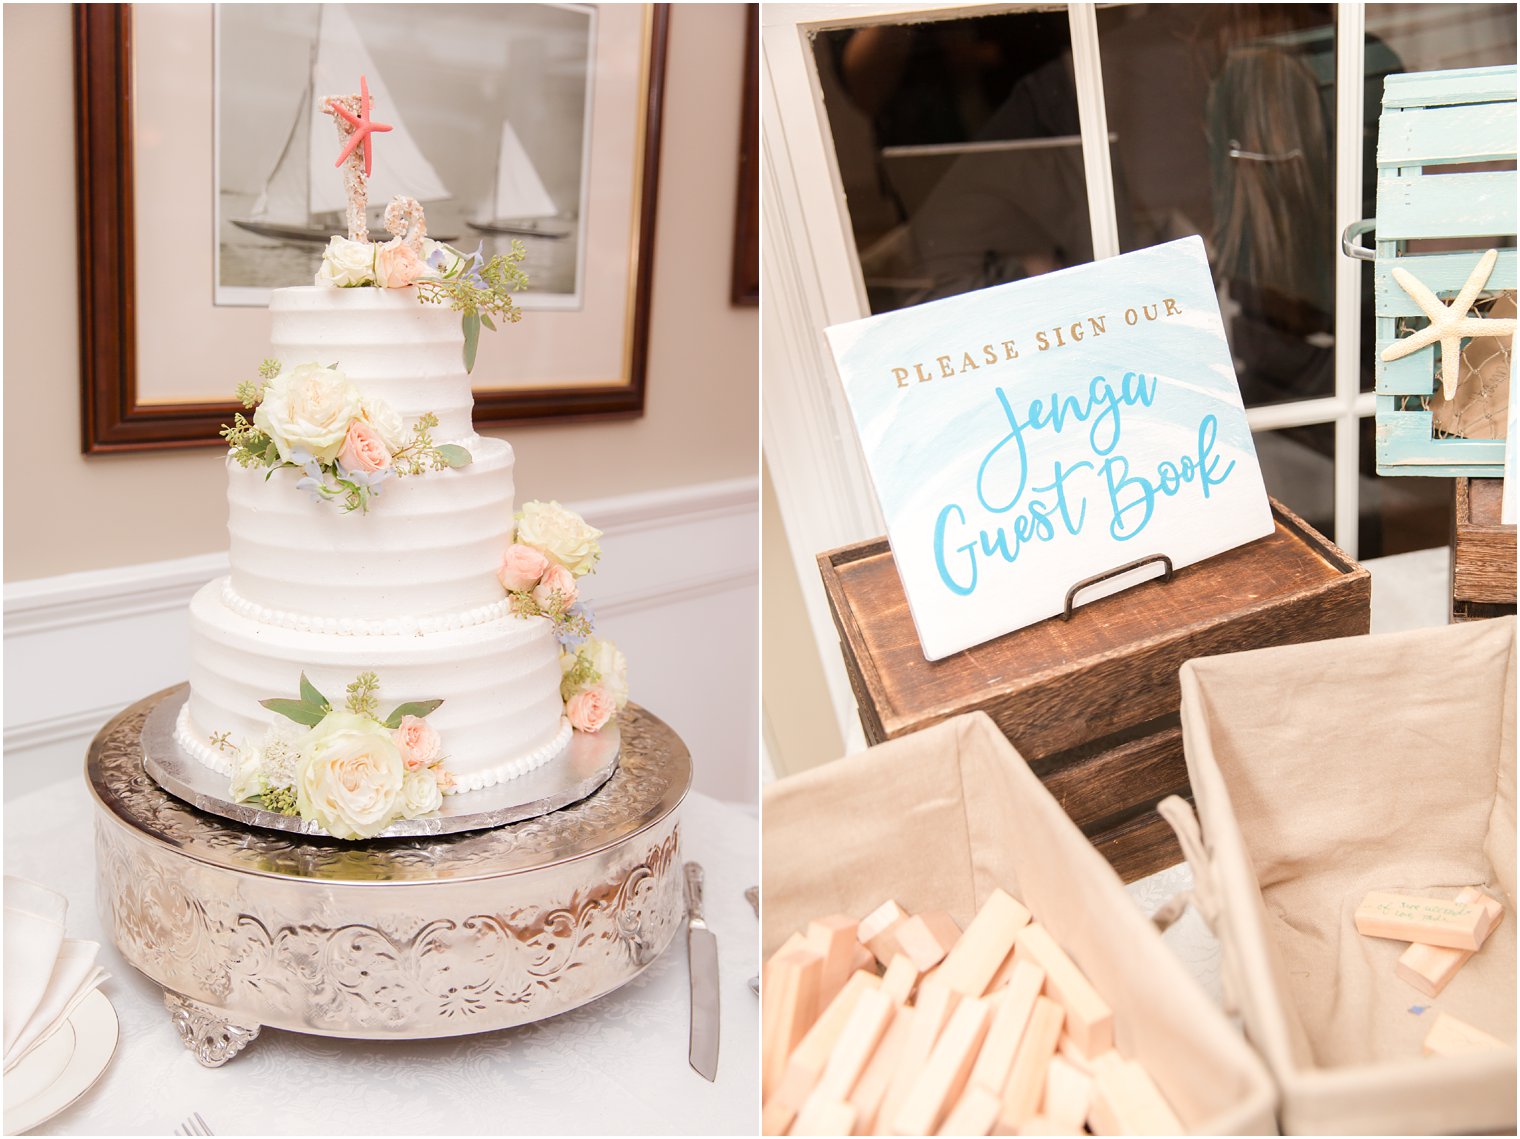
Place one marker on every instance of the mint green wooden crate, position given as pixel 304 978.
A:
pixel 1430 121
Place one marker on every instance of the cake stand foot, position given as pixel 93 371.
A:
pixel 207 1033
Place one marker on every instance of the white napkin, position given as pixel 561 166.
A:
pixel 46 974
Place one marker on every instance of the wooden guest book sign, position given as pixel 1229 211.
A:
pixel 1025 437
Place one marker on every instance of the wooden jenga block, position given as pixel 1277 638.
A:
pixel 1068 1094
pixel 975 1113
pixel 1043 1125
pixel 862 958
pixel 1430 968
pixel 1068 1050
pixel 790 945
pixel 899 979
pixel 871 1088
pixel 1089 1020
pixel 986 943
pixel 1026 1081
pixel 790 1005
pixel 805 1065
pixel 944 1077
pixel 936 1002
pixel 876 931
pixel 927 937
pixel 853 1049
pixel 776 1120
pixel 834 938
pixel 1014 1004
pixel 1429 921
pixel 1126 1101
pixel 1003 975
pixel 824 1119
pixel 1452 1037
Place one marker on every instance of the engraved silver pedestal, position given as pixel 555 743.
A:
pixel 395 939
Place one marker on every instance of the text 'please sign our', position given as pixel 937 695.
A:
pixel 1024 437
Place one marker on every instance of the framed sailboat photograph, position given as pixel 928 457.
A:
pixel 531 126
pixel 519 174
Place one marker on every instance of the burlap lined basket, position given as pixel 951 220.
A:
pixel 938 819
pixel 1325 770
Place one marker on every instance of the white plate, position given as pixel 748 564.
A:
pixel 63 1067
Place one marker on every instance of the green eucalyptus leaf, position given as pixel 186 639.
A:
pixel 310 695
pixel 471 325
pixel 454 455
pixel 297 710
pixel 418 708
pixel 485 319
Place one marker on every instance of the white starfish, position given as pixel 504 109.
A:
pixel 1448 324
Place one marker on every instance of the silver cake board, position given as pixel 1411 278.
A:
pixel 587 762
pixel 404 939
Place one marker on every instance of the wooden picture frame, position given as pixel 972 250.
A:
pixel 746 277
pixel 114 415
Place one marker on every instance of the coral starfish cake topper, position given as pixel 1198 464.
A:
pixel 1448 324
pixel 351 113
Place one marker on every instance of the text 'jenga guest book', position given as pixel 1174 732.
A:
pixel 1028 436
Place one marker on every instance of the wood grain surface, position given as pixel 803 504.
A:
pixel 1093 703
pixel 1483 552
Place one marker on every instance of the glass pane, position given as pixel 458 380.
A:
pixel 1422 37
pixel 1400 514
pixel 959 151
pixel 1222 118
pixel 1298 466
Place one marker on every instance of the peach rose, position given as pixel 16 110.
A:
pixel 417 741
pixel 363 450
pixel 522 567
pixel 397 265
pixel 556 580
pixel 590 710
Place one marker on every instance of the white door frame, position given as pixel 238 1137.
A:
pixel 811 278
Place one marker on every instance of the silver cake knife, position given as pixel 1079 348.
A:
pixel 702 953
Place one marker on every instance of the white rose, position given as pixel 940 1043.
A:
pixel 609 661
pixel 419 794
pixel 562 535
pixel 350 777
pixel 308 408
pixel 248 781
pixel 347 263
pixel 383 418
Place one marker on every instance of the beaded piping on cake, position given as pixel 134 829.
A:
pixel 364 626
pixel 222 762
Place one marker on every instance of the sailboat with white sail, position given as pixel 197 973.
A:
pixel 519 201
pixel 303 198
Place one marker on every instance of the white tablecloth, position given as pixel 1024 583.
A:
pixel 616 1066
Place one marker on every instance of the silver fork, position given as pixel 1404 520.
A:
pixel 194 1125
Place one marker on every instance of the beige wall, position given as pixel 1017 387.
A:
pixel 65 511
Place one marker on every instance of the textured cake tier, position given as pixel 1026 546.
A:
pixel 499 682
pixel 409 354
pixel 424 555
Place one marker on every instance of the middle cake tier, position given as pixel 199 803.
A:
pixel 424 556
pixel 499 682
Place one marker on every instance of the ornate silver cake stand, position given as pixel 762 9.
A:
pixel 391 939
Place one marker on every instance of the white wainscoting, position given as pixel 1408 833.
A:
pixel 678 591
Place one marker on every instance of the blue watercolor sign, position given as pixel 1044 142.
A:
pixel 1027 436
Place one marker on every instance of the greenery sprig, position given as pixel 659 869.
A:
pixel 312 707
pixel 582 675
pixel 570 622
pixel 481 290
pixel 422 454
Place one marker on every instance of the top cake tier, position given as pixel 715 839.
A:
pixel 393 347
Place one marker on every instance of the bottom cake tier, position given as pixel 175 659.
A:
pixel 501 713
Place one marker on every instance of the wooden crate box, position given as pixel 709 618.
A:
pixel 1482 553
pixel 1433 125
pixel 1092 703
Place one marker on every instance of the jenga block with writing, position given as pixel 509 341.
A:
pixel 1429 921
pixel 1430 968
